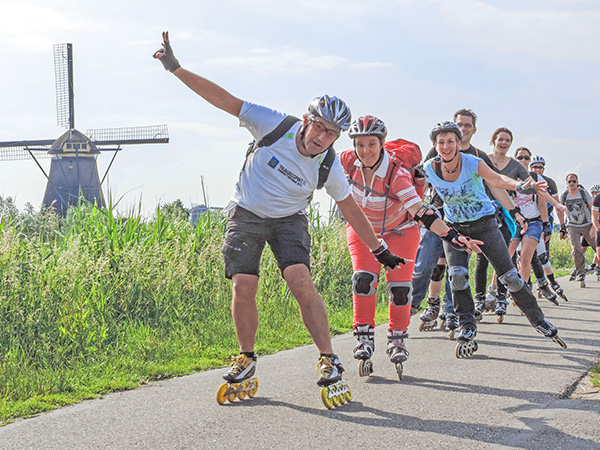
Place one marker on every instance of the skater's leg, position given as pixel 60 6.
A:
pixel 429 250
pixel 312 306
pixel 458 273
pixel 243 307
pixel 577 251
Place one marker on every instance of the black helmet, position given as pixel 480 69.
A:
pixel 443 127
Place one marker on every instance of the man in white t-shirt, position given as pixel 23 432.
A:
pixel 274 188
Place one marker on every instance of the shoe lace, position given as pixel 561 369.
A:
pixel 324 367
pixel 238 363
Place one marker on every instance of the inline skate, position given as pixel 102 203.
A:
pixel 573 275
pixel 581 279
pixel 479 306
pixel 396 349
pixel 500 311
pixel 334 390
pixel 597 272
pixel 466 345
pixel 430 315
pixel 550 331
pixel 451 324
pixel 490 299
pixel 239 380
pixel 543 288
pixel 560 291
pixel 364 350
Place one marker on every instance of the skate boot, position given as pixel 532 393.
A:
pixel 560 291
pixel 466 345
pixel 598 272
pixel 334 390
pixel 452 324
pixel 581 279
pixel 442 318
pixel 414 310
pixel 501 306
pixel 239 380
pixel 543 288
pixel 363 351
pixel 573 275
pixel 590 269
pixel 396 349
pixel 479 306
pixel 548 330
pixel 430 315
pixel 490 299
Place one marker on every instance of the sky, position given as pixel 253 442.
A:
pixel 531 66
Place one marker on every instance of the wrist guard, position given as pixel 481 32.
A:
pixel 451 237
pixel 513 212
pixel 387 258
pixel 525 190
pixel 168 59
pixel 425 217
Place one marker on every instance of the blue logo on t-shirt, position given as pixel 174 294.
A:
pixel 273 162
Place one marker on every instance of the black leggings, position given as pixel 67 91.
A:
pixel 495 249
pixel 481 268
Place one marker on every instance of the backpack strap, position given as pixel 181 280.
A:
pixel 325 167
pixel 270 138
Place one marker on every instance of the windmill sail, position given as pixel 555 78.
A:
pixel 63 68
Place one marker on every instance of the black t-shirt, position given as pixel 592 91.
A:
pixel 596 203
pixel 436 200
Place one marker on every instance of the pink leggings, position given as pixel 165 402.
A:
pixel 404 245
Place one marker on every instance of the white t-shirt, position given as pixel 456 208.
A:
pixel 279 181
pixel 528 202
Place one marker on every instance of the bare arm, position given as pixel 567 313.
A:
pixel 595 219
pixel 209 91
pixel 503 198
pixel 541 202
pixel 495 179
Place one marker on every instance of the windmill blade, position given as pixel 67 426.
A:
pixel 152 134
pixel 20 150
pixel 63 68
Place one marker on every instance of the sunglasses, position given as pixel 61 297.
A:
pixel 521 158
pixel 572 181
pixel 320 128
pixel 537 167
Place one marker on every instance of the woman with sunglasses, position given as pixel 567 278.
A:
pixel 458 178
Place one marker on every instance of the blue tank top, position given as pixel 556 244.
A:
pixel 464 199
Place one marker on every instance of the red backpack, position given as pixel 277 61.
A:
pixel 408 155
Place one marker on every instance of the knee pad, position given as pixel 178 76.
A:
pixel 363 283
pixel 438 272
pixel 459 278
pixel 512 280
pixel 400 292
pixel 543 258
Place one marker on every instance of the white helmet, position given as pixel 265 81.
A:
pixel 537 160
pixel 332 109
pixel 595 188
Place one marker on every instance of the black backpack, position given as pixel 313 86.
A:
pixel 277 134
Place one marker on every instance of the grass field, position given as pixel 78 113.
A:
pixel 93 303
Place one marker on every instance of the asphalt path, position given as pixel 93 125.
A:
pixel 513 394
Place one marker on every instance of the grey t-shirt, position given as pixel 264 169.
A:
pixel 579 213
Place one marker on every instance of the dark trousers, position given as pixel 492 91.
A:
pixel 495 250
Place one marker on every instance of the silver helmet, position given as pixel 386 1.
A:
pixel 368 126
pixel 332 109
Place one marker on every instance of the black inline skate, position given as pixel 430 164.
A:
pixel 543 289
pixel 573 275
pixel 479 306
pixel 364 350
pixel 581 279
pixel 396 349
pixel 490 299
pixel 501 307
pixel 560 291
pixel 451 324
pixel 466 344
pixel 550 331
pixel 430 315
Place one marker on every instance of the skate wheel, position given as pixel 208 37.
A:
pixel 500 318
pixel 365 368
pixel 231 397
pixel 399 369
pixel 336 401
pixel 451 335
pixel 241 395
pixel 421 326
pixel 343 399
pixel 582 284
pixel 252 392
pixel 442 325
pixel 221 398
pixel 325 398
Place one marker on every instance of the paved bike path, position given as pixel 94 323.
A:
pixel 511 394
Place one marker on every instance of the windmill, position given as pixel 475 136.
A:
pixel 73 166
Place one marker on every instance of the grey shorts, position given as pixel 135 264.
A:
pixel 245 238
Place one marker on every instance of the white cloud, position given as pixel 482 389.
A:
pixel 288 60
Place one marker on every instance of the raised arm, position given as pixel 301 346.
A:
pixel 209 91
